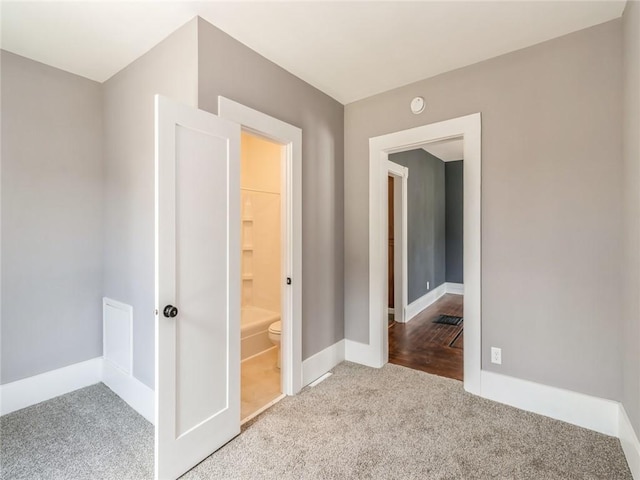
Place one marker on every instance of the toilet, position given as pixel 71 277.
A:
pixel 274 335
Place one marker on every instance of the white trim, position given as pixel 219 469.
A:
pixel 469 128
pixel 291 138
pixel 321 379
pixel 319 364
pixel 138 395
pixel 418 305
pixel 45 386
pixel 429 298
pixel 578 409
pixel 38 388
pixel 629 442
pixel 361 353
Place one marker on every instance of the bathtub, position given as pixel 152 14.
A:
pixel 254 334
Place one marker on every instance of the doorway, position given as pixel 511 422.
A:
pixel 376 353
pixel 289 138
pixel 396 241
pixel 261 261
pixel 431 338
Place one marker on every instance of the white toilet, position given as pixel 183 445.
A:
pixel 274 335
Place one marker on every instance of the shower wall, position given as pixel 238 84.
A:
pixel 261 231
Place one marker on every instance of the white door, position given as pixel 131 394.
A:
pixel 197 286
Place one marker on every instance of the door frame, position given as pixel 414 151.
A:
pixel 376 353
pixel 290 137
pixel 400 176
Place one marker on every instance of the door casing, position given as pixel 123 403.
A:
pixel 290 137
pixel 375 353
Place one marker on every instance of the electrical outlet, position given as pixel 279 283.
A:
pixel 427 285
pixel 496 355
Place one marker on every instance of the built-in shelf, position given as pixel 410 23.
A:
pixel 247 219
pixel 247 276
pixel 247 248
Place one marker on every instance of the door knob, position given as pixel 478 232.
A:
pixel 170 311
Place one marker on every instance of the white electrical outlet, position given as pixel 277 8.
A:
pixel 496 355
pixel 427 285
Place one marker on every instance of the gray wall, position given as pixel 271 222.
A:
pixel 454 218
pixel 551 203
pixel 425 221
pixel 170 69
pixel 52 223
pixel 631 279
pixel 229 68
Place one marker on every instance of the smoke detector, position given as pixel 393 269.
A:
pixel 417 105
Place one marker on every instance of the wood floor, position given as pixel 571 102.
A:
pixel 427 346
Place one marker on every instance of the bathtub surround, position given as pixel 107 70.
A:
pixel 261 207
pixel 261 223
pixel 254 326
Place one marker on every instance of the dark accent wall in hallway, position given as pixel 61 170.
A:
pixel 454 195
pixel 426 220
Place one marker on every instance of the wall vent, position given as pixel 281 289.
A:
pixel 117 334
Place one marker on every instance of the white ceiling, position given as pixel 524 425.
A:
pixel 446 150
pixel 350 50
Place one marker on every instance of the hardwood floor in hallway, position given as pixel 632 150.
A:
pixel 427 346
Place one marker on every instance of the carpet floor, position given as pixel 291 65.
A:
pixel 87 434
pixel 383 423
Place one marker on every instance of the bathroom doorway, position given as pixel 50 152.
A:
pixel 261 260
pixel 288 140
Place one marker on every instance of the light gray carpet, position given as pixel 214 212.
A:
pixel 87 434
pixel 403 424
pixel 359 423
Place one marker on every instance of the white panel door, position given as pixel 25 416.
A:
pixel 197 286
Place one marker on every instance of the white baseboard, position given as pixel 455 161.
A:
pixel 578 409
pixel 415 307
pixel 629 442
pixel 361 353
pixel 29 391
pixel 139 396
pixel 320 363
pixel 455 288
